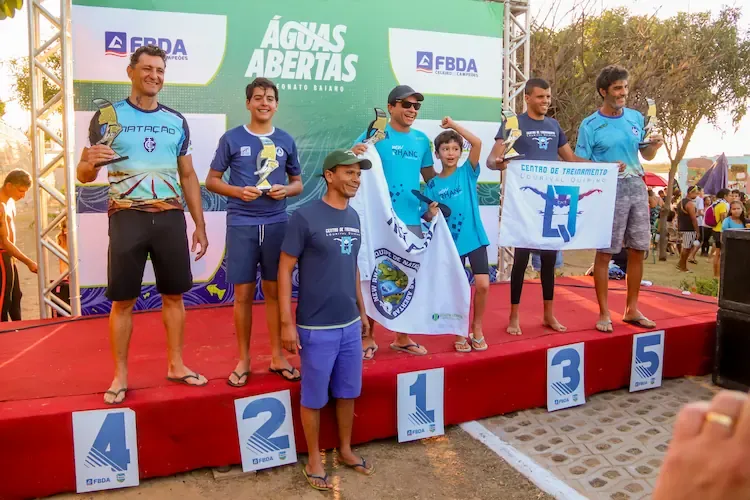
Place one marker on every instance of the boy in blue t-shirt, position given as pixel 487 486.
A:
pixel 264 170
pixel 456 187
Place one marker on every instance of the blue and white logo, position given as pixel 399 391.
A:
pixel 105 447
pixel 636 131
pixel 149 144
pixel 449 65
pixel 647 361
pixel 542 142
pixel 246 151
pixel 117 43
pixel 565 387
pixel 279 152
pixel 347 242
pixel 420 404
pixel 264 427
pixel 560 197
pixel 392 284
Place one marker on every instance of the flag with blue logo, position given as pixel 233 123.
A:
pixel 551 205
pixel 409 284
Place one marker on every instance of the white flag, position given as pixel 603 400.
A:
pixel 552 205
pixel 409 285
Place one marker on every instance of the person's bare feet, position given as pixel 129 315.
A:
pixel 240 374
pixel 116 392
pixel 604 324
pixel 551 322
pixel 514 326
pixel 186 376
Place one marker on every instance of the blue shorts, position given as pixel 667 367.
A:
pixel 331 363
pixel 248 246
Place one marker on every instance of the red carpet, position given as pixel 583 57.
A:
pixel 49 369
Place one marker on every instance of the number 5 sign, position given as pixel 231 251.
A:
pixel 105 449
pixel 565 377
pixel 266 431
pixel 420 404
pixel 648 360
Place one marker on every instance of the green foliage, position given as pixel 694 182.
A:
pixel 8 8
pixel 701 286
pixel 397 276
pixel 19 69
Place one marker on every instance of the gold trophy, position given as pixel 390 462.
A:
pixel 652 123
pixel 267 163
pixel 110 128
pixel 512 134
pixel 376 130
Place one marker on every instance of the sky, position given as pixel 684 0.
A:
pixel 707 141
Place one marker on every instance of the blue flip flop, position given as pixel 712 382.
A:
pixel 310 478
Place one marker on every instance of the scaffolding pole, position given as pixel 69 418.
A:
pixel 516 41
pixel 46 194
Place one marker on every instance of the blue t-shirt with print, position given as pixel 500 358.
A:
pixel 540 139
pixel 403 156
pixel 609 139
pixel 459 192
pixel 151 140
pixel 238 151
pixel 326 242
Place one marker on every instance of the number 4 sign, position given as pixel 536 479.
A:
pixel 105 449
pixel 420 404
pixel 266 431
pixel 648 360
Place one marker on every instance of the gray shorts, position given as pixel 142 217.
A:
pixel 631 227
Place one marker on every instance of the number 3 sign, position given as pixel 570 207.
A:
pixel 105 449
pixel 266 431
pixel 565 377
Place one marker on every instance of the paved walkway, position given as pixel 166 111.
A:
pixel 609 448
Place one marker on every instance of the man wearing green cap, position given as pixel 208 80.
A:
pixel 323 237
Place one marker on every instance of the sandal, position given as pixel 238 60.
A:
pixel 310 478
pixel 462 346
pixel 239 379
pixel 361 467
pixel 115 394
pixel 184 380
pixel 642 322
pixel 407 349
pixel 476 344
pixel 281 371
pixel 369 353
pixel 605 326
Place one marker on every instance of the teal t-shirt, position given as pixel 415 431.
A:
pixel 728 223
pixel 459 192
pixel 609 139
pixel 152 140
pixel 403 156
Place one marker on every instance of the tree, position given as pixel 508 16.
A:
pixel 19 68
pixel 8 8
pixel 693 65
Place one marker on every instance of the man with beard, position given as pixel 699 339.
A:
pixel 146 217
pixel 264 170
pixel 405 153
pixel 614 134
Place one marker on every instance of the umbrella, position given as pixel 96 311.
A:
pixel 653 180
pixel 716 177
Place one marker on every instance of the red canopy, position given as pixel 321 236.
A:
pixel 653 180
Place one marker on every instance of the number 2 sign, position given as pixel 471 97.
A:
pixel 420 404
pixel 266 431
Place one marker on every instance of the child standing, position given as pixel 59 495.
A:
pixel 736 219
pixel 456 187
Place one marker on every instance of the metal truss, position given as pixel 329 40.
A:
pixel 46 195
pixel 516 69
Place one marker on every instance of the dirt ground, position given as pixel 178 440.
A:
pixel 454 466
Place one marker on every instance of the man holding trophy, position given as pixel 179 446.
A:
pixel 150 165
pixel 261 159
pixel 615 134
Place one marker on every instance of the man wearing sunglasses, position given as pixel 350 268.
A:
pixel 405 153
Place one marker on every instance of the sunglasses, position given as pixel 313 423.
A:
pixel 409 105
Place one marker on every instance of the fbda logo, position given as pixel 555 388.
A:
pixel 428 62
pixel 116 44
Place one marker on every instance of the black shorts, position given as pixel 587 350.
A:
pixel 477 260
pixel 135 235
pixel 10 293
pixel 716 235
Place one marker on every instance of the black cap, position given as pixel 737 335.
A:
pixel 402 92
pixel 344 157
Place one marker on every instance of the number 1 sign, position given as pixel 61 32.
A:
pixel 420 404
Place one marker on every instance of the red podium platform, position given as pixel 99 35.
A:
pixel 51 368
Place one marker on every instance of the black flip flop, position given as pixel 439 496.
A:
pixel 639 322
pixel 183 380
pixel 239 377
pixel 115 394
pixel 442 206
pixel 362 465
pixel 372 348
pixel 280 372
pixel 310 477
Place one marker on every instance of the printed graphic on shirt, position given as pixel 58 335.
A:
pixel 346 236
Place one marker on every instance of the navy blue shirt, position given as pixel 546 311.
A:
pixel 540 139
pixel 326 242
pixel 238 151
